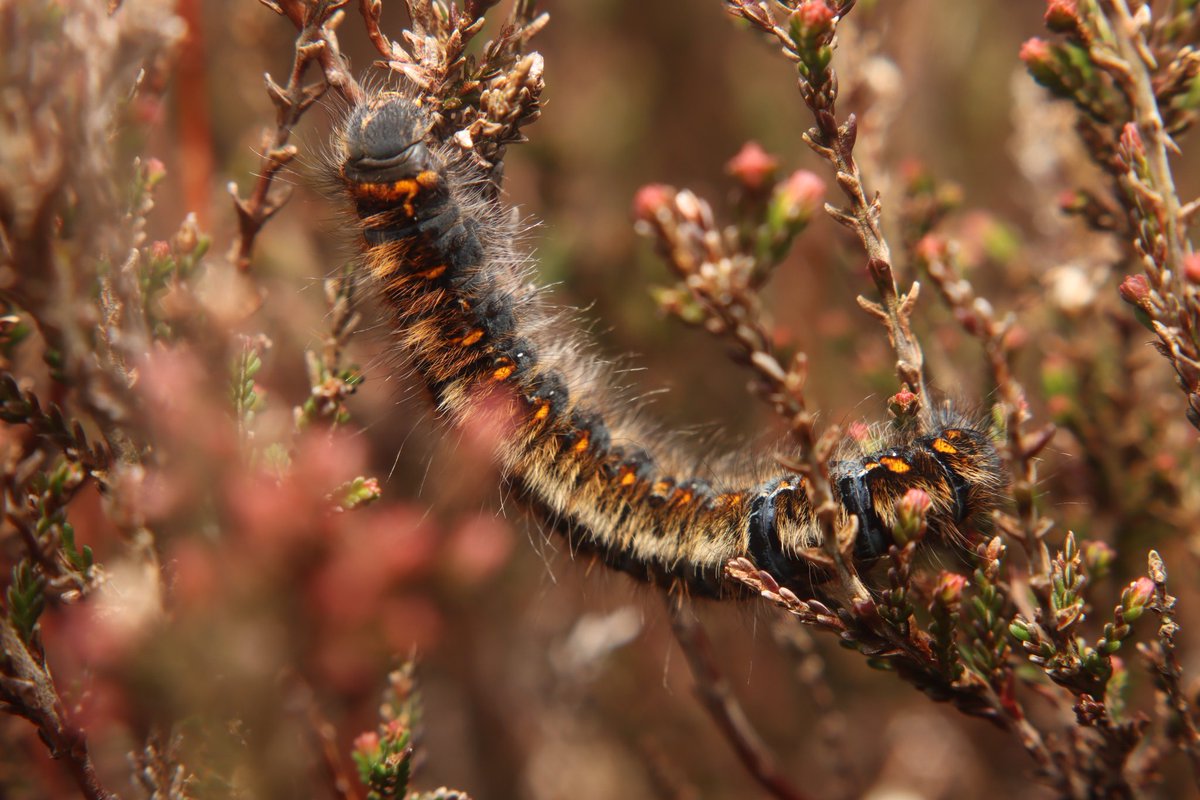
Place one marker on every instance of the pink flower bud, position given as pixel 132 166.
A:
pixel 811 30
pixel 904 404
pixel 160 250
pixel 803 190
pixel 949 589
pixel 367 743
pixel 1135 598
pixel 753 167
pixel 1035 51
pixel 1072 201
pixel 650 199
pixel 931 248
pixel 155 171
pixel 1062 16
pixel 1131 140
pixel 1038 57
pixel 916 500
pixel 858 432
pixel 1191 267
pixel 794 201
pixel 814 18
pixel 1135 290
pixel 394 730
pixel 911 513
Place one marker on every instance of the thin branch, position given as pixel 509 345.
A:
pixel 317 42
pixel 978 319
pixel 1137 68
pixel 723 707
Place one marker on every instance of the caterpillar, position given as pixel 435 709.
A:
pixel 440 249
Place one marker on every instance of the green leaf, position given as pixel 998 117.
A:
pixel 26 599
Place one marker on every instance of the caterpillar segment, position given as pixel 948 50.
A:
pixel 491 355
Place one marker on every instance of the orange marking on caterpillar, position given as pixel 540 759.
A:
pixel 942 446
pixel 661 488
pixel 628 478
pixel 434 272
pixel 403 191
pixel 952 434
pixel 582 444
pixel 471 338
pixel 870 465
pixel 503 373
pixel 427 179
pixel 543 410
pixel 897 465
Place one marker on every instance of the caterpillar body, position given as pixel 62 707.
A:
pixel 491 354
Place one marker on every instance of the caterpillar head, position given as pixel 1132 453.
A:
pixel 957 467
pixel 384 142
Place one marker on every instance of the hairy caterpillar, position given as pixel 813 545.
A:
pixel 488 351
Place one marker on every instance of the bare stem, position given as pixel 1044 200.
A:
pixel 1138 63
pixel 979 319
pixel 724 708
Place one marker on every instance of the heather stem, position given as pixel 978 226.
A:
pixel 1133 49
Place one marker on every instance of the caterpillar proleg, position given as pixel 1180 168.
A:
pixel 488 350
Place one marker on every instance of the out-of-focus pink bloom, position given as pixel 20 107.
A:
pixel 478 547
pixel 753 167
pixel 194 575
pixel 858 432
pixel 367 743
pixel 492 420
pixel 800 195
pixel 1191 267
pixel 178 404
pixel 650 199
pixel 155 170
pixel 931 248
pixel 377 550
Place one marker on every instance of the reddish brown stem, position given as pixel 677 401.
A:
pixel 723 707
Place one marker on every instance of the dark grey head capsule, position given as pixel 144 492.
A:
pixel 384 141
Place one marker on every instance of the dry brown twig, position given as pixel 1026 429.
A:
pixel 317 43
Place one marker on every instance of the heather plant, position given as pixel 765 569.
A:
pixel 217 562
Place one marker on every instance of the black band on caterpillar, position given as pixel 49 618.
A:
pixel 441 252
